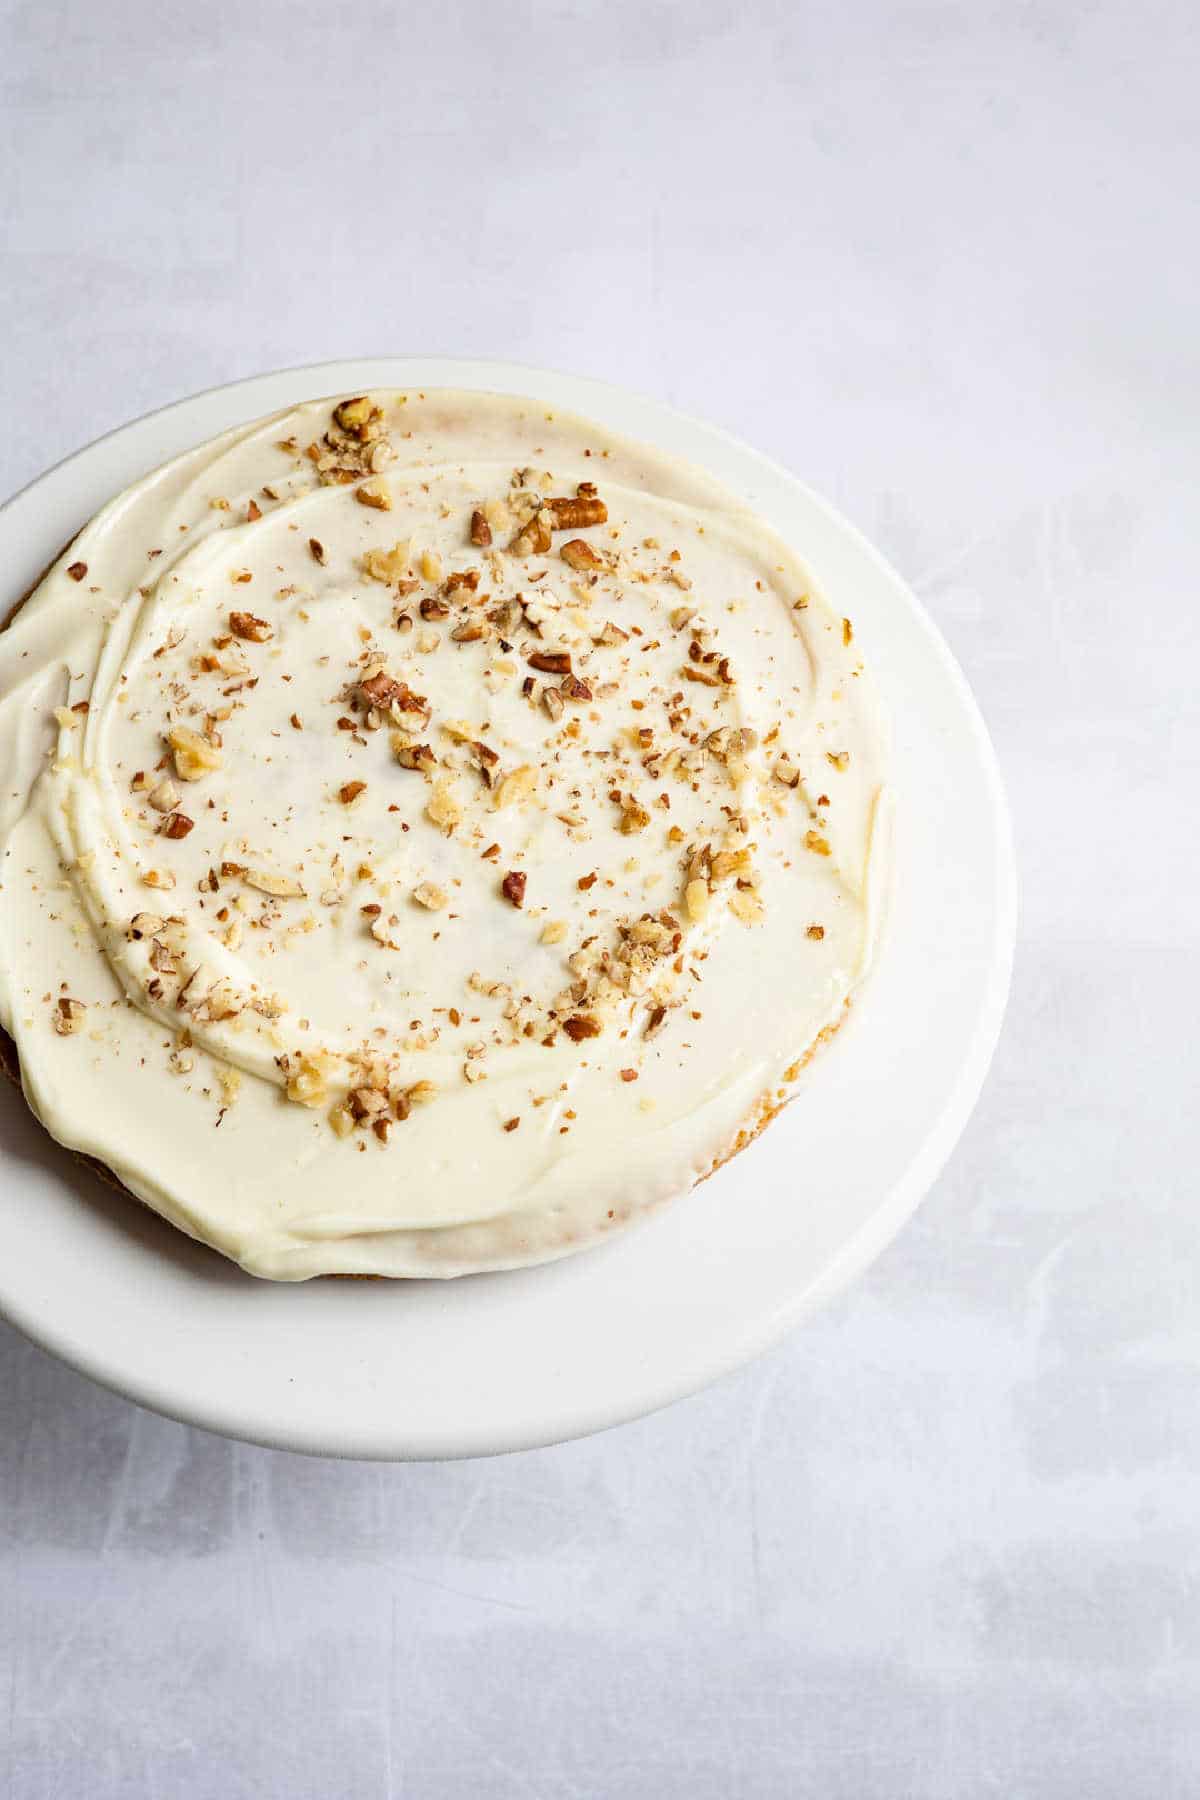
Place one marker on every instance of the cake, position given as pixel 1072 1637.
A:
pixel 435 831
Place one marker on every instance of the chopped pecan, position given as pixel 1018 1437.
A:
pixel 481 531
pixel 176 825
pixel 69 1016
pixel 357 416
pixel 461 578
pixel 550 662
pixel 374 493
pixel 513 887
pixel 580 1026
pixel 533 539
pixel 350 790
pixel 77 570
pixel 245 625
pixel 483 758
pixel 571 687
pixel 577 514
pixel 416 756
pixel 577 554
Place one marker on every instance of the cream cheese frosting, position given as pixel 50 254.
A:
pixel 434 831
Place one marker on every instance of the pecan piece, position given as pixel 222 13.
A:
pixel 69 1016
pixel 580 1026
pixel 534 538
pixel 374 493
pixel 176 825
pixel 357 416
pixel 77 570
pixel 484 759
pixel 434 609
pixel 550 662
pixel 245 625
pixel 571 687
pixel 579 555
pixel 513 887
pixel 577 514
pixel 316 550
pixel 416 756
pixel 481 531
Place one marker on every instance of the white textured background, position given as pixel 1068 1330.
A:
pixel 942 260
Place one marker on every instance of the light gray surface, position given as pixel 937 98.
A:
pixel 942 261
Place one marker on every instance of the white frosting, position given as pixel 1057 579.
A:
pixel 703 1013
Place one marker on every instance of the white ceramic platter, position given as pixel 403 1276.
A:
pixel 503 1362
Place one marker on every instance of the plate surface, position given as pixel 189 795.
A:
pixel 505 1362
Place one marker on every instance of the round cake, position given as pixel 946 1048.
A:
pixel 434 832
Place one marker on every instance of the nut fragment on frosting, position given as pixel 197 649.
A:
pixel 458 836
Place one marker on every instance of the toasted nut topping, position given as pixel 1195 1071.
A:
pixel 847 631
pixel 577 514
pixel 628 1074
pixel 357 416
pixel 484 759
pixel 786 771
pixel 413 756
pixel 429 895
pixel 68 1016
pixel 163 797
pixel 729 862
pixel 431 565
pixel 283 887
pixel 350 791
pixel 77 570
pixel 554 931
pixel 839 758
pixel 245 625
pixel 306 1083
pixel 511 1124
pixel 175 825
pixel 580 1026
pixel 342 1119
pixel 814 841
pixel 533 539
pixel 194 757
pixel 633 817
pixel 317 550
pixel 431 608
pixel 470 631
pixel 578 554
pixel 374 493
pixel 552 700
pixel 387 565
pixel 816 932
pixel 481 531
pixel 516 786
pixel 144 925
pixel 572 687
pixel 442 808
pixel 550 662
pixel 697 899
pixel 746 906
pixel 513 887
